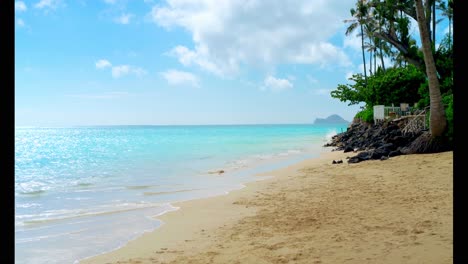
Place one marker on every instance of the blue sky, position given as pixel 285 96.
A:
pixel 135 62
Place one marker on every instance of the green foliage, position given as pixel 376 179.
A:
pixel 448 103
pixel 366 114
pixel 424 94
pixel 393 86
pixel 444 64
pixel 355 93
pixel 397 85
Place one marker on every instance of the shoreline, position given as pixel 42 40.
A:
pixel 257 173
pixel 217 229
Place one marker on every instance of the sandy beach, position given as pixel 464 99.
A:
pixel 394 211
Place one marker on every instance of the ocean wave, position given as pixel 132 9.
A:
pixel 27 205
pixel 32 188
pixel 138 187
pixel 168 192
pixel 84 184
pixel 33 193
pixel 329 135
pixel 62 215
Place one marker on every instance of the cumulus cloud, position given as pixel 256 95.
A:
pixel 228 34
pixel 276 84
pixel 122 70
pixel 353 42
pixel 101 64
pixel 20 6
pixel 175 77
pixel 124 19
pixel 49 4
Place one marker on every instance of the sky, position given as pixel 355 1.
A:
pixel 182 62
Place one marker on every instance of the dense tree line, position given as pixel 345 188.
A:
pixel 422 74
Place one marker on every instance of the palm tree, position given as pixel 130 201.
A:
pixel 447 11
pixel 358 20
pixel 438 121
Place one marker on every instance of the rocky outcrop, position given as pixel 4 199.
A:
pixel 374 141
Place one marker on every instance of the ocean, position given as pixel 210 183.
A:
pixel 83 191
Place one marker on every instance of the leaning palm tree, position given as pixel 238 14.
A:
pixel 438 121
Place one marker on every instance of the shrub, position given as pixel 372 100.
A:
pixel 448 103
pixel 366 115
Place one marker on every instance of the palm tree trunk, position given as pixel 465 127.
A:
pixel 438 121
pixel 363 53
pixel 381 58
pixel 375 58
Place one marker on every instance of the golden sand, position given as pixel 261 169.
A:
pixel 394 211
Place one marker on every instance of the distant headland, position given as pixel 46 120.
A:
pixel 333 119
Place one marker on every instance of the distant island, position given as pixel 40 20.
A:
pixel 333 119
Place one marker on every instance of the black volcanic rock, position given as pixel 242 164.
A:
pixel 375 141
pixel 333 119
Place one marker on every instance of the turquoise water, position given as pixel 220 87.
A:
pixel 82 191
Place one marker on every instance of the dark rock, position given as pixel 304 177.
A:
pixel 384 158
pixel 355 159
pixel 348 149
pixel 378 153
pixel 394 153
pixel 383 140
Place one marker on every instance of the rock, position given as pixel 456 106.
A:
pixel 374 140
pixel 348 149
pixel 394 153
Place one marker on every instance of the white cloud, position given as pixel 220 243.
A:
pixel 20 22
pixel 175 77
pixel 50 4
pixel 122 70
pixel 353 42
pixel 101 64
pixel 228 34
pixel 124 19
pixel 276 84
pixel 20 6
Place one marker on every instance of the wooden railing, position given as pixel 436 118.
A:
pixel 417 123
